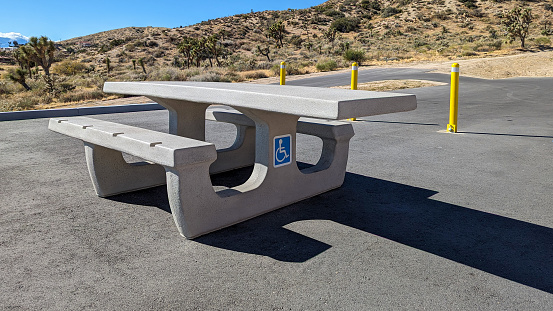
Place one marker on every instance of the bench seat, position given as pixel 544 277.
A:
pixel 105 141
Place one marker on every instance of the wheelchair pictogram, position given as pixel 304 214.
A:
pixel 282 150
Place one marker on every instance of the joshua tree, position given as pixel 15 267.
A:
pixel 185 47
pixel 141 63
pixel 108 62
pixel 21 55
pixel 264 51
pixel 215 48
pixel 18 75
pixel 517 22
pixel 41 51
pixel 277 32
pixel 330 35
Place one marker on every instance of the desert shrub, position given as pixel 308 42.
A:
pixel 423 17
pixel 69 68
pixel 296 41
pixel 326 65
pixel 7 88
pixel 167 74
pixel 319 20
pixel 188 73
pixel 471 4
pixel 355 56
pixel 469 53
pixel 291 69
pixel 130 47
pixel 116 42
pixel 390 11
pixel 258 74
pixel 441 15
pixel 334 13
pixel 542 41
pixel 371 5
pixel 81 95
pixel 548 7
pixel 210 77
pixel 496 45
pixel 345 24
pixel 17 103
pixel 238 63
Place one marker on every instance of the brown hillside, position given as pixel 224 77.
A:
pixel 421 29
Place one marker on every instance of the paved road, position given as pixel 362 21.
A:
pixel 424 220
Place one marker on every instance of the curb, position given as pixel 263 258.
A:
pixel 71 112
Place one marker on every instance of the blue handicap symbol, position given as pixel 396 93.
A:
pixel 282 150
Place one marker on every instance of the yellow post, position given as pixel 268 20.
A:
pixel 282 73
pixel 453 99
pixel 354 75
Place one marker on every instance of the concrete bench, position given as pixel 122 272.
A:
pixel 105 141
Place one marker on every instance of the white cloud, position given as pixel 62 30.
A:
pixel 13 35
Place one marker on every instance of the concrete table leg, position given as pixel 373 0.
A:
pixel 240 154
pixel 198 209
pixel 111 174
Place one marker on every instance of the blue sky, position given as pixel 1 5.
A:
pixel 63 19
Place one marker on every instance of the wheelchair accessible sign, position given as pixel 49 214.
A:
pixel 282 150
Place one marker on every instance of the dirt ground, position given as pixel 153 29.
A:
pixel 532 64
pixel 529 64
pixel 391 85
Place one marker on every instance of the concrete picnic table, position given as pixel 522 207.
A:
pixel 268 118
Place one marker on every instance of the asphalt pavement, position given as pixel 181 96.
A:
pixel 425 219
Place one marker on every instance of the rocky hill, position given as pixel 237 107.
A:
pixel 385 30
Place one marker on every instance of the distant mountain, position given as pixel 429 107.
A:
pixel 6 37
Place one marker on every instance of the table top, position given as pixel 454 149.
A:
pixel 324 103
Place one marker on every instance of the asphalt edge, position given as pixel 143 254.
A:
pixel 72 112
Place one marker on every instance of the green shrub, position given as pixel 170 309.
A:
pixel 296 41
pixel 345 24
pixel 19 103
pixel 210 77
pixel 168 74
pixel 469 53
pixel 543 41
pixel 371 5
pixel 355 56
pixel 81 95
pixel 496 45
pixel 326 65
pixel 471 4
pixel 291 69
pixel 7 88
pixel 255 75
pixel 69 68
pixel 390 11
pixel 334 13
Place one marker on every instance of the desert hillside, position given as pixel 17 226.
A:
pixel 249 46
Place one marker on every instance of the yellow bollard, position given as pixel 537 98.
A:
pixel 454 99
pixel 282 73
pixel 354 76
